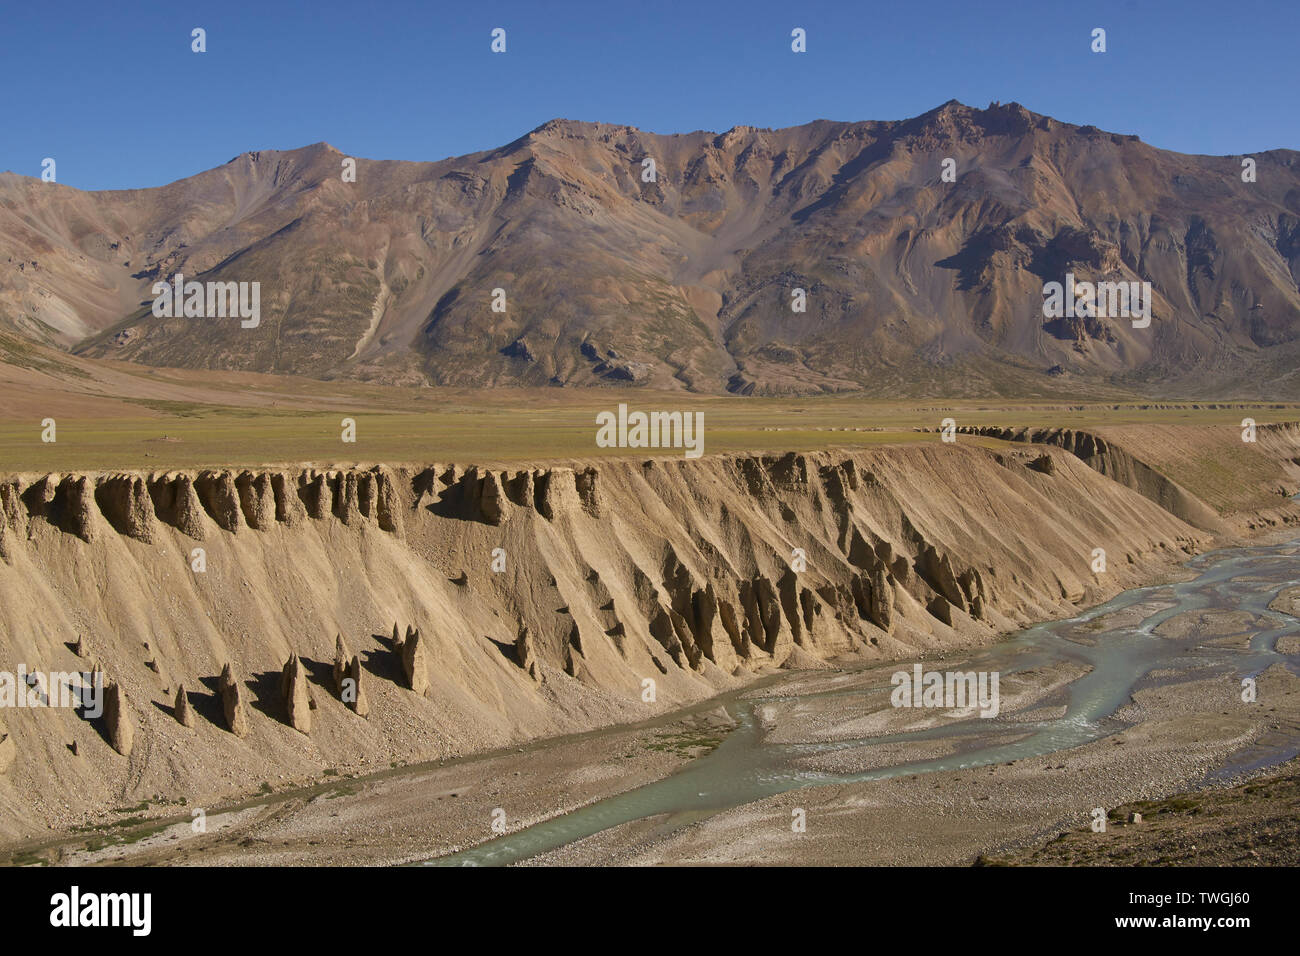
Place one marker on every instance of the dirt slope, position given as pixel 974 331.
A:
pixel 673 570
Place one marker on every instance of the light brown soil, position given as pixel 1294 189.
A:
pixel 1253 824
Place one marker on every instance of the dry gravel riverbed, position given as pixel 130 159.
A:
pixel 1181 732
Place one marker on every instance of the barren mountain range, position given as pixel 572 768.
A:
pixel 914 285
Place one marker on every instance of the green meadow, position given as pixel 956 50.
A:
pixel 509 426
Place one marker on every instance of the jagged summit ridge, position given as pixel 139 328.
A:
pixel 634 258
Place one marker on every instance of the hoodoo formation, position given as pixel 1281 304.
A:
pixel 700 574
pixel 354 691
pixel 181 708
pixel 297 698
pixel 232 703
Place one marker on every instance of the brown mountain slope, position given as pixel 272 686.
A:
pixel 913 284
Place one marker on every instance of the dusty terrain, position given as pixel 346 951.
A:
pixel 681 572
pixel 1252 824
pixel 960 817
pixel 672 570
pixel 396 816
pixel 1031 811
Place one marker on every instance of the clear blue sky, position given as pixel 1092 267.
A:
pixel 113 93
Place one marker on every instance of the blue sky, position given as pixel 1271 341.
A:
pixel 114 94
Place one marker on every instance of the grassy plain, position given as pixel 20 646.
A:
pixel 117 416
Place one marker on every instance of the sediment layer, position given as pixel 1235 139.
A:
pixel 537 601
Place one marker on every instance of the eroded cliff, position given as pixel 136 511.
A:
pixel 541 600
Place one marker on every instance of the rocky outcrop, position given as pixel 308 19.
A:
pixel 415 662
pixel 315 495
pixel 520 489
pixel 367 494
pixel 788 594
pixel 342 657
pixel 124 501
pixel 256 500
pixel 176 503
pixel 555 492
pixel 687 578
pixel 119 722
pixel 41 494
pixel 573 663
pixel 289 507
pixel 973 586
pixel 490 496
pixel 1043 463
pixel 353 691
pixel 389 506
pixel 79 512
pixel 937 571
pixel 135 505
pixel 526 655
pixel 220 499
pixel 5 553
pixel 587 486
pixel 347 507
pixel 690 648
pixel 788 473
pixel 297 698
pixel 493 504
pixel 662 629
pixel 880 608
pixel 181 710
pixel 713 640
pixel 232 703
pixel 765 626
pixel 940 608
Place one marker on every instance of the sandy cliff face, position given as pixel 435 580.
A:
pixel 1118 464
pixel 543 598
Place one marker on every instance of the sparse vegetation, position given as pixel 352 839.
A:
pixel 686 743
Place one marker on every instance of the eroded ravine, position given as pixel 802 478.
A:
pixel 745 767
